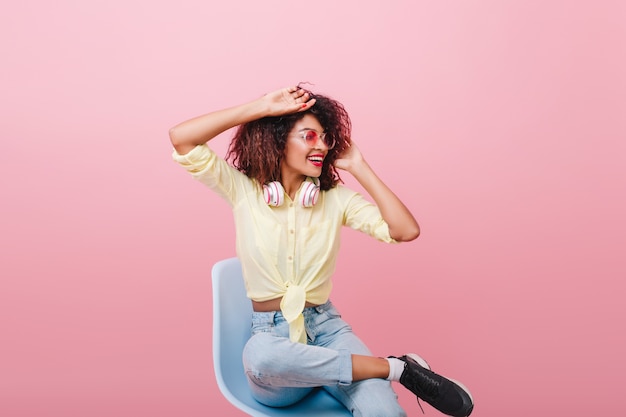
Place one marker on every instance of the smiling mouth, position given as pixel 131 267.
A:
pixel 316 160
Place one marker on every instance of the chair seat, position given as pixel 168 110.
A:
pixel 232 316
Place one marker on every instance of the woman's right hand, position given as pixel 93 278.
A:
pixel 287 100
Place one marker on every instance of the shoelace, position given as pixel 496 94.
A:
pixel 427 385
pixel 430 386
pixel 420 404
pixel 432 390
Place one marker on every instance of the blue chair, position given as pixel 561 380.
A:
pixel 232 312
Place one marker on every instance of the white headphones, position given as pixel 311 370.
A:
pixel 274 193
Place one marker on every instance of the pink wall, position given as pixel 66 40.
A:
pixel 500 123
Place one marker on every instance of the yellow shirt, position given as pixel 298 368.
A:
pixel 287 251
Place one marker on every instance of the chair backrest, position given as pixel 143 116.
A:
pixel 232 313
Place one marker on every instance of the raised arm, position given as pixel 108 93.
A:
pixel 402 225
pixel 199 130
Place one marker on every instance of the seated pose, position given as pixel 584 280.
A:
pixel 288 206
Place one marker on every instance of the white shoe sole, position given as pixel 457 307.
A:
pixel 421 361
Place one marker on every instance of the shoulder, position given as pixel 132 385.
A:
pixel 341 195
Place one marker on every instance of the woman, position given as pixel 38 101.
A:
pixel 288 209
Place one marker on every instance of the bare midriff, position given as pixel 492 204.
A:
pixel 272 305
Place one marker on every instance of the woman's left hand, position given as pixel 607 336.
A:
pixel 402 225
pixel 350 158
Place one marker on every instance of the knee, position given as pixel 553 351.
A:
pixel 257 358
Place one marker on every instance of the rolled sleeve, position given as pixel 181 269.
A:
pixel 365 216
pixel 195 161
pixel 211 170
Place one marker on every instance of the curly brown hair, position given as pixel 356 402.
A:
pixel 258 147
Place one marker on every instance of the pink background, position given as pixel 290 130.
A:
pixel 500 123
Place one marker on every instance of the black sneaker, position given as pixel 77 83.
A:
pixel 446 395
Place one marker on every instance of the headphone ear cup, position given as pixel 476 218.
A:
pixel 274 194
pixel 310 193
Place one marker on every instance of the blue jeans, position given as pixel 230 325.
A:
pixel 281 372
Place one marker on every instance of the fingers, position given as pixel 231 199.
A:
pixel 298 94
pixel 307 104
pixel 295 91
pixel 302 100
